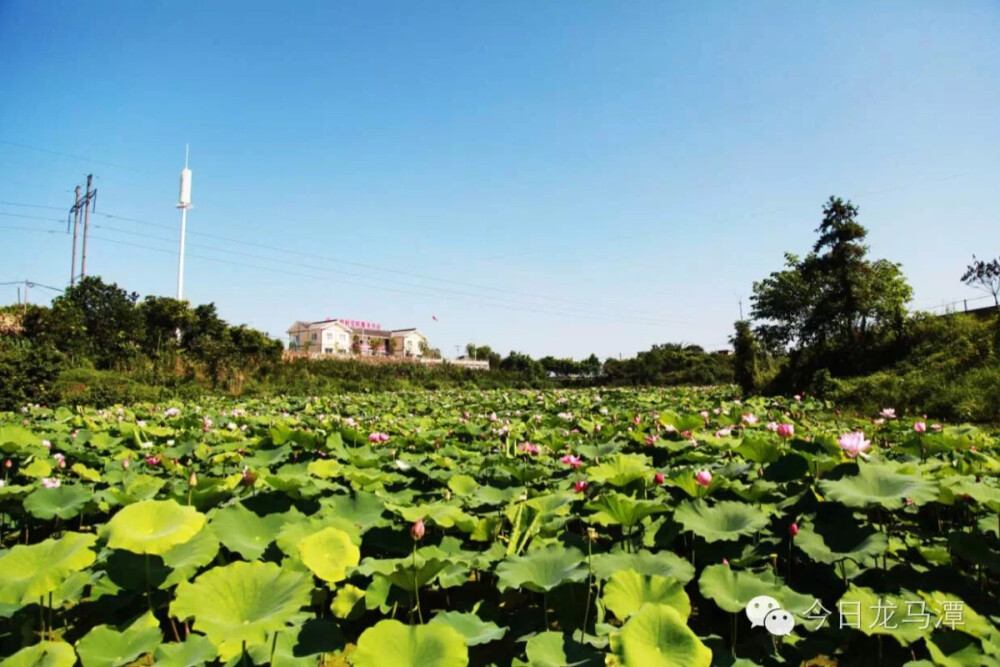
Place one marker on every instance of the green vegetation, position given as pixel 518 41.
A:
pixel 453 528
pixel 834 325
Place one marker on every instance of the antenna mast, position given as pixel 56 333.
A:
pixel 183 203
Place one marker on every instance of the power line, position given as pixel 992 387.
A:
pixel 355 283
pixel 74 157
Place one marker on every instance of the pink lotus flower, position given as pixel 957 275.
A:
pixel 570 460
pixel 670 428
pixel 637 420
pixel 378 437
pixel 703 478
pixel 750 419
pixel 8 464
pixel 854 444
pixel 786 430
pixel 125 464
pixel 920 427
pixel 888 413
pixel 723 432
pixel 529 448
pixel 650 440
pixel 153 460
pixel 659 478
pixel 771 426
pixel 60 459
pixel 171 412
pixel 704 414
pixel 417 530
pixel 51 482
pixel 797 397
pixel 581 486
pixel 936 427
pixel 46 444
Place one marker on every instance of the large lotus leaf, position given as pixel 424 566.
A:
pixel 475 630
pixel 881 614
pixel 847 540
pixel 13 438
pixel 620 469
pixel 956 649
pixel 294 531
pixel 726 520
pixel 153 526
pixel 194 651
pixel 732 590
pixel 364 509
pixel 627 591
pixel 244 532
pixel 45 654
pixel 879 484
pixel 462 485
pixel 547 649
pixel 346 602
pixel 242 602
pixel 440 514
pixel 661 563
pixel 541 570
pixel 972 622
pixel 657 636
pixel 28 572
pixel 389 642
pixel 64 501
pixel 104 646
pixel 185 559
pixel 406 573
pixel 329 553
pixel 759 449
pixel 960 487
pixel 618 509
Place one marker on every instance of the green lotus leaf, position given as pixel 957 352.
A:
pixel 475 630
pixel 725 520
pixel 244 532
pixel 759 449
pixel 325 468
pixel 45 654
pixel 28 572
pixel 547 649
pixel 618 509
pixel 440 514
pixel 345 602
pixel 194 651
pixel 37 468
pixel 661 563
pixel 960 487
pixel 363 509
pixel 64 501
pixel 627 591
pixel 657 636
pixel 620 469
pixel 104 646
pixel 185 559
pixel 462 485
pixel 881 614
pixel 732 590
pixel 153 526
pixel 405 572
pixel 247 601
pixel 329 553
pixel 879 484
pixel 956 649
pixel 541 570
pixel 843 540
pixel 389 642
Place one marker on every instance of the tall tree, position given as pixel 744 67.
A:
pixel 984 276
pixel 747 362
pixel 112 328
pixel 835 297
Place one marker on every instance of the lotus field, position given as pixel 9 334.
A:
pixel 441 529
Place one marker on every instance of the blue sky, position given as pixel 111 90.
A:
pixel 557 178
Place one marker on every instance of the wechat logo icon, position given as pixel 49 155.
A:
pixel 765 611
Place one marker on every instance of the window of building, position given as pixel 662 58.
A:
pixel 313 336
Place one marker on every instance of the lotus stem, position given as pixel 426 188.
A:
pixel 274 645
pixel 416 587
pixel 545 609
pixel 149 595
pixel 590 586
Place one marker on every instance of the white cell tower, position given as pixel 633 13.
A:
pixel 184 203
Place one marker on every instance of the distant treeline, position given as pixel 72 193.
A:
pixel 98 344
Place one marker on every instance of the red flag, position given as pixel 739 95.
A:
pixel 434 317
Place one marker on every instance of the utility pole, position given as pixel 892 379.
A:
pixel 26 286
pixel 76 226
pixel 183 203
pixel 87 202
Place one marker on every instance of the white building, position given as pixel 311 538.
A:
pixel 342 336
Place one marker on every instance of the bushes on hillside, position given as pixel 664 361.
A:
pixel 28 373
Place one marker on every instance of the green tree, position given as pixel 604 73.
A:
pixel 834 298
pixel 163 318
pixel 984 276
pixel 747 358
pixel 112 328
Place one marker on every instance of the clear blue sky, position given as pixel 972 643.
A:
pixel 636 164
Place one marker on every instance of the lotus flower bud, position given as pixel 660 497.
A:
pixel 658 479
pixel 793 529
pixel 418 529
pixel 193 480
pixel 703 478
